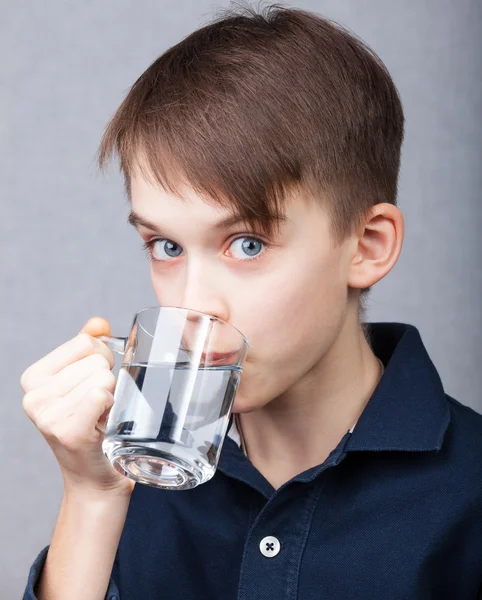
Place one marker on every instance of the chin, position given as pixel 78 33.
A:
pixel 243 405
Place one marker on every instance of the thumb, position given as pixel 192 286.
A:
pixel 96 326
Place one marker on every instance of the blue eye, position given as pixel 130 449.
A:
pixel 172 250
pixel 251 246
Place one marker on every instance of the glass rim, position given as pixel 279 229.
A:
pixel 211 317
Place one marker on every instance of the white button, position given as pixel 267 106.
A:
pixel 269 546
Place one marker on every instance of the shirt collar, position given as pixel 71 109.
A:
pixel 408 409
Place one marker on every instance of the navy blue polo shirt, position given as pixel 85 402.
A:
pixel 393 513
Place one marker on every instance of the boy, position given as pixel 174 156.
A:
pixel 347 471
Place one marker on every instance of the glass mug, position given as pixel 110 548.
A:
pixel 173 396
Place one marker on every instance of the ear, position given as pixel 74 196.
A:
pixel 379 243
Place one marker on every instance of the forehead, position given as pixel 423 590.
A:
pixel 144 190
pixel 159 205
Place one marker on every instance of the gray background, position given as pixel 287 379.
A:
pixel 67 253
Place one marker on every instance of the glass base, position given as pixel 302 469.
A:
pixel 155 468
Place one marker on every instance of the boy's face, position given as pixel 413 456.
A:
pixel 287 295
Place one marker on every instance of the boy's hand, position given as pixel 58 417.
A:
pixel 67 392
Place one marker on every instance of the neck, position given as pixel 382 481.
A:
pixel 298 429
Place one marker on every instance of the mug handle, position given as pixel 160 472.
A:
pixel 116 344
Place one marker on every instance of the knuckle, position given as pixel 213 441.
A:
pixel 44 423
pixel 25 380
pixel 107 380
pixel 109 400
pixel 100 361
pixel 98 394
pixel 86 342
pixel 28 402
pixel 30 378
pixel 102 397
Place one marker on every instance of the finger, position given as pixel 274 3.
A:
pixel 73 350
pixel 73 375
pixel 77 430
pixel 88 372
pixel 93 407
pixel 100 379
pixel 36 405
pixel 96 326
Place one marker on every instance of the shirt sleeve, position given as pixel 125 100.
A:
pixel 36 570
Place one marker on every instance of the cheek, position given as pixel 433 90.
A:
pixel 292 329
pixel 300 302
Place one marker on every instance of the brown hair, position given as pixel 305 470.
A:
pixel 257 103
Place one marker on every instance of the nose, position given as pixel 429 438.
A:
pixel 207 309
pixel 206 291
pixel 202 293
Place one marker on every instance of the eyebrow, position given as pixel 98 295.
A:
pixel 135 220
